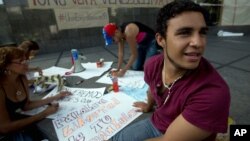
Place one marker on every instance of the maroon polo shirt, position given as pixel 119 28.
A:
pixel 201 96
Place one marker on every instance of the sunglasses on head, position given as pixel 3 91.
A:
pixel 20 62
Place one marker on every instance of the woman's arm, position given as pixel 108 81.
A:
pixel 8 126
pixel 120 54
pixel 133 52
pixel 130 32
pixel 38 103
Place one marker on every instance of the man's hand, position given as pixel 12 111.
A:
pixel 121 73
pixel 142 107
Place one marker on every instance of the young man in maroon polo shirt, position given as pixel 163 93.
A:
pixel 192 100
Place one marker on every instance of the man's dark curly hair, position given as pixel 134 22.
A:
pixel 174 8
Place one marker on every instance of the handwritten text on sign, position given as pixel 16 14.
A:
pixel 38 4
pixel 107 117
pixel 81 97
pixel 81 18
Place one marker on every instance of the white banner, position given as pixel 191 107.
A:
pixel 45 4
pixel 81 18
pixel 234 12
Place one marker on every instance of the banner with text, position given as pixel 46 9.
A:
pixel 107 117
pixel 234 13
pixel 81 18
pixel 45 4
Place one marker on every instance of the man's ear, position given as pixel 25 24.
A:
pixel 160 40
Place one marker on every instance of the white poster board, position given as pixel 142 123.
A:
pixel 91 70
pixel 54 70
pixel 107 117
pixel 80 97
pixel 138 94
pixel 132 79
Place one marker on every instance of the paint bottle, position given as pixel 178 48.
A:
pixel 115 81
pixel 100 63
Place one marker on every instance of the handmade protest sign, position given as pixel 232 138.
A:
pixel 138 94
pixel 92 70
pixel 132 79
pixel 80 97
pixel 53 71
pixel 98 121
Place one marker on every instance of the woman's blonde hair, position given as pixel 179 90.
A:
pixel 7 54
